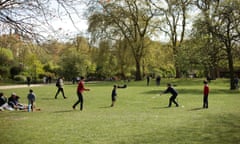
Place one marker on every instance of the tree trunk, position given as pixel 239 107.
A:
pixel 178 72
pixel 138 75
pixel 231 68
pixel 228 46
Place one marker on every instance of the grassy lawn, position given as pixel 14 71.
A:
pixel 140 115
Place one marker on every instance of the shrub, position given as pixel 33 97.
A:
pixel 19 78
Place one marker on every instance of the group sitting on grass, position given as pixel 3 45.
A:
pixel 12 103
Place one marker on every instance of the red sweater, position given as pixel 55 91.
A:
pixel 81 87
pixel 206 90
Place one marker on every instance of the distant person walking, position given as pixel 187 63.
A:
pixel 80 90
pixel 174 93
pixel 148 80
pixel 29 81
pixel 205 94
pixel 235 81
pixel 59 85
pixel 158 80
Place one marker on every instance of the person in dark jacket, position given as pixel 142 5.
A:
pixel 114 95
pixel 59 85
pixel 174 93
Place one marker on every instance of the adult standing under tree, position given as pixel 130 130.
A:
pixel 80 90
pixel 59 85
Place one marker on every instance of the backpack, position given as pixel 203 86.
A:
pixel 58 83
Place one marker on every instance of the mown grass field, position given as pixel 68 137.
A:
pixel 140 115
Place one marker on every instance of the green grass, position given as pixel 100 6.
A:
pixel 139 117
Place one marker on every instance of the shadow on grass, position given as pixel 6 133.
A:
pixel 160 107
pixel 196 109
pixel 63 111
pixel 105 107
pixel 47 98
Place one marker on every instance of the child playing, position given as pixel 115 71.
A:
pixel 114 95
pixel 31 99
pixel 205 94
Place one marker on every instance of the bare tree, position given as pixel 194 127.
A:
pixel 28 18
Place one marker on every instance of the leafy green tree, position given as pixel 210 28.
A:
pixel 33 66
pixel 223 22
pixel 159 60
pixel 73 63
pixel 124 60
pixel 125 18
pixel 6 57
pixel 173 22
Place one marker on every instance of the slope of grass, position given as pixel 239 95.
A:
pixel 140 115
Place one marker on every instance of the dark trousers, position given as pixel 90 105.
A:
pixel 205 101
pixel 60 90
pixel 80 100
pixel 172 99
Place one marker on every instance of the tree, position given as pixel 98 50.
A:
pixel 126 18
pixel 28 18
pixel 6 59
pixel 208 47
pixel 225 24
pixel 172 21
pixel 124 59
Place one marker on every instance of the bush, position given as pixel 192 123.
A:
pixel 19 78
pixel 15 71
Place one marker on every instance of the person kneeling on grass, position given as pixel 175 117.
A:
pixel 174 93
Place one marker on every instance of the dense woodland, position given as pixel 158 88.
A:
pixel 127 39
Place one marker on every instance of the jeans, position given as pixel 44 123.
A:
pixel 80 100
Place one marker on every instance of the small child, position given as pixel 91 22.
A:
pixel 31 99
pixel 205 94
pixel 114 95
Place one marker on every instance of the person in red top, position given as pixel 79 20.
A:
pixel 205 94
pixel 80 90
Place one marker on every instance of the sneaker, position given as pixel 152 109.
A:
pixel 73 107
